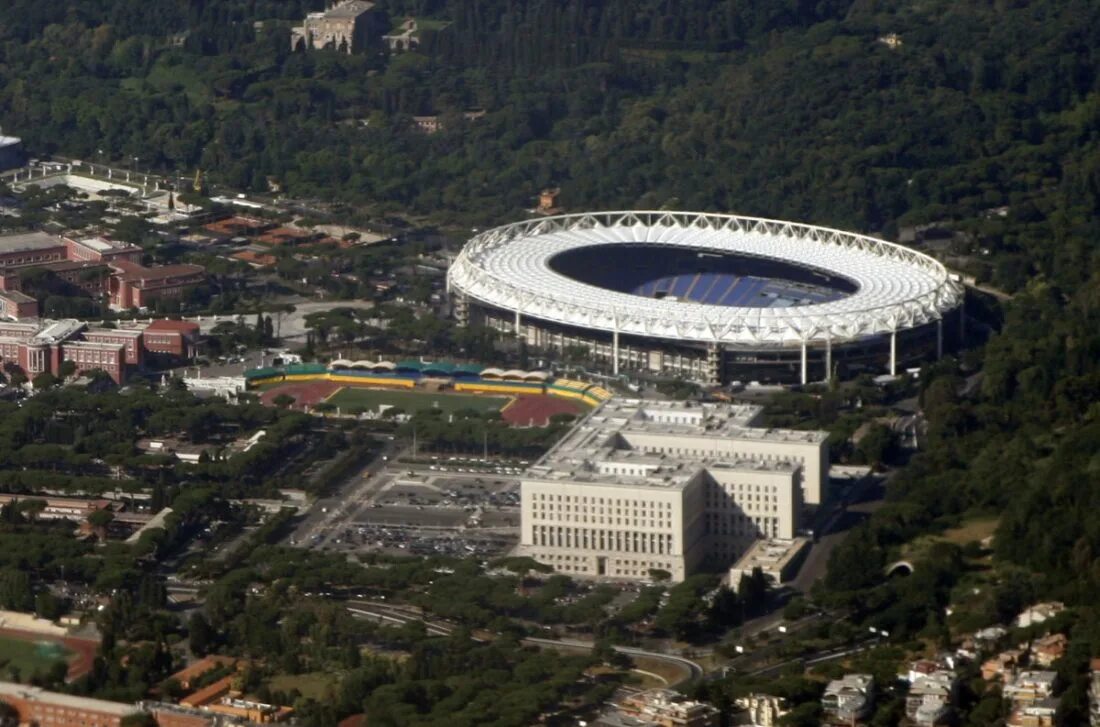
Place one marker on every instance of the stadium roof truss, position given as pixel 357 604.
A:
pixel 897 288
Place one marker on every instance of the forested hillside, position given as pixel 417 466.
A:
pixel 784 109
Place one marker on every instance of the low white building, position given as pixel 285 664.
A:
pixel 1038 613
pixel 777 558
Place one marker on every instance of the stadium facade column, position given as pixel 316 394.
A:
pixel 828 358
pixel 615 349
pixel 805 376
pixel 714 364
pixel 462 309
pixel 894 352
pixel 519 329
pixel 939 338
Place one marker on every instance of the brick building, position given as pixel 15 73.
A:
pixel 95 266
pixel 36 706
pixel 101 250
pixel 136 286
pixel 43 346
pixel 131 339
pixel 16 305
pixel 172 338
pixel 30 248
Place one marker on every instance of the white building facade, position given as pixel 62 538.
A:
pixel 642 486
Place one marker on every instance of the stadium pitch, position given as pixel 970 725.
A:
pixel 351 398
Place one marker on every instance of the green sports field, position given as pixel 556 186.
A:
pixel 29 656
pixel 350 398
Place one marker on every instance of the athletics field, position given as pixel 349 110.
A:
pixel 522 411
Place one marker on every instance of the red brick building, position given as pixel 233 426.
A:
pixel 37 348
pixel 130 338
pixel 36 706
pixel 96 266
pixel 16 305
pixel 30 248
pixel 101 250
pixel 136 286
pixel 89 277
pixel 172 338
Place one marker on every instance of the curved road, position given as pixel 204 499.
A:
pixel 397 615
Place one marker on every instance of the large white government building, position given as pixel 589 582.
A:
pixel 645 485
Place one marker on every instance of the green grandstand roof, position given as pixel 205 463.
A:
pixel 472 369
pixel 262 373
pixel 309 368
pixel 411 364
pixel 439 367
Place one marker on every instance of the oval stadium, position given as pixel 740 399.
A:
pixel 710 298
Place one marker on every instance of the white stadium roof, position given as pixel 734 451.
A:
pixel 897 288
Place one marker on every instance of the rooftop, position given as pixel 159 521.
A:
pixel 119 332
pixel 134 273
pixel 349 9
pixel 27 241
pixel 58 331
pixel 37 694
pixel 769 554
pixel 600 449
pixel 168 325
pixel 9 140
pixel 102 244
pixel 16 296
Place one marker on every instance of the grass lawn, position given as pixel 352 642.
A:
pixel 310 684
pixel 357 398
pixel 29 656
pixel 977 528
pixel 666 674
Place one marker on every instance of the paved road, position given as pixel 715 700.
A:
pixel 347 504
pixel 293 324
pixel 395 614
pixel 844 516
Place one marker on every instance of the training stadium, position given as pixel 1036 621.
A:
pixel 525 398
pixel 708 297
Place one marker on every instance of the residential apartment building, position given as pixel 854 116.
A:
pixel 660 708
pixel 643 485
pixel 849 699
pixel 931 698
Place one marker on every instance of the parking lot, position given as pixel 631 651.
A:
pixel 416 509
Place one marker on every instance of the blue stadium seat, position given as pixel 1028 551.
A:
pixel 704 286
pixel 680 285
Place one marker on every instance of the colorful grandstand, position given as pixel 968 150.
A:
pixel 462 378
